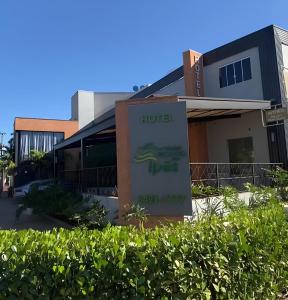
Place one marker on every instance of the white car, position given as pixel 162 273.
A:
pixel 41 185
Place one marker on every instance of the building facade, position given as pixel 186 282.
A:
pixel 40 135
pixel 237 81
pixel 252 67
pixel 225 92
pixel 86 106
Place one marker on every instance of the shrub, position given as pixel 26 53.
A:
pixel 200 190
pixel 70 206
pixel 261 195
pixel 86 214
pixel 53 200
pixel 137 214
pixel 280 178
pixel 241 256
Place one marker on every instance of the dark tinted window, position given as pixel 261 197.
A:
pixel 230 74
pixel 222 77
pixel 234 73
pixel 246 69
pixel 238 71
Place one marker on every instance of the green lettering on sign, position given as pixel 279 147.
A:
pixel 159 118
pixel 155 199
pixel 159 159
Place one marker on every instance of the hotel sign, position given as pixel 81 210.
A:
pixel 160 179
pixel 198 75
pixel 193 73
pixel 274 115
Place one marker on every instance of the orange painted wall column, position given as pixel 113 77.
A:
pixel 194 86
pixel 123 160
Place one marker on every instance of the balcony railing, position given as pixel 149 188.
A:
pixel 100 181
pixel 232 174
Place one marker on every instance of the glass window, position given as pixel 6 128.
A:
pixel 39 141
pixel 222 77
pixel 234 73
pixel 58 137
pixel 238 72
pixel 230 74
pixel 246 69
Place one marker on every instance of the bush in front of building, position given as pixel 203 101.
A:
pixel 67 206
pixel 280 178
pixel 200 190
pixel 243 255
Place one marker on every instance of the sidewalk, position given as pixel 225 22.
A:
pixel 8 208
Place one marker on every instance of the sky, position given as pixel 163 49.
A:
pixel 49 49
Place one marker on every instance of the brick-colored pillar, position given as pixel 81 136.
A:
pixel 194 87
pixel 193 73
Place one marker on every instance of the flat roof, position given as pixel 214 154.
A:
pixel 45 119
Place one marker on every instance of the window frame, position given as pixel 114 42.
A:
pixel 234 75
pixel 19 132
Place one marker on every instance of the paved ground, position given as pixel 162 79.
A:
pixel 8 208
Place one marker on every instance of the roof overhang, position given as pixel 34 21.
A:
pixel 202 107
pixel 197 108
pixel 97 128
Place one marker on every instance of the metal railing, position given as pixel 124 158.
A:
pixel 233 174
pixel 100 180
pixel 103 180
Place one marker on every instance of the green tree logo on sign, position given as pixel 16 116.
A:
pixel 159 159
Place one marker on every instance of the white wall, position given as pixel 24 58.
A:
pixel 176 88
pixel 285 65
pixel 285 55
pixel 87 105
pixel 85 108
pixel 250 89
pixel 105 101
pixel 285 78
pixel 249 124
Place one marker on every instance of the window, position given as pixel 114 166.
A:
pixel 246 69
pixel 230 74
pixel 238 72
pixel 234 73
pixel 223 77
pixel 39 141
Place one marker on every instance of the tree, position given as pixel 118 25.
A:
pixel 41 162
pixel 7 165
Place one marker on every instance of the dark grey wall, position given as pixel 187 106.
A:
pixel 281 37
pixel 268 40
pixel 264 40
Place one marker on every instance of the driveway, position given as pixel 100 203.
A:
pixel 8 208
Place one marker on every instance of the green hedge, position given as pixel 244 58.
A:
pixel 241 256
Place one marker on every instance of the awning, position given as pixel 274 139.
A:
pixel 197 107
pixel 103 123
pixel 202 107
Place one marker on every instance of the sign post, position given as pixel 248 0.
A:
pixel 159 158
pixel 153 169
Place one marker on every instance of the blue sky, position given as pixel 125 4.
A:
pixel 51 48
